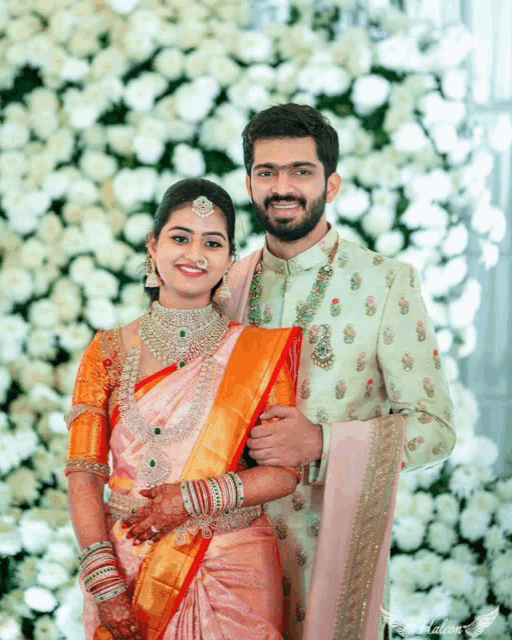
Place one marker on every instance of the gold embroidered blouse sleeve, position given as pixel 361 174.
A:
pixel 412 370
pixel 88 420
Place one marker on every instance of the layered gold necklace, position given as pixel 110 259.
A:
pixel 172 336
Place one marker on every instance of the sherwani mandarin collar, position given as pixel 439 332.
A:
pixel 313 257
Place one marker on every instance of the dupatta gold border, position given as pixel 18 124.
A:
pixel 368 527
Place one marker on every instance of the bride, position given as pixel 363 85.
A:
pixel 183 549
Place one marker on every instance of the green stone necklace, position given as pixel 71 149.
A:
pixel 305 310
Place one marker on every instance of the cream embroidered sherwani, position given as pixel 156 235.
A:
pixel 385 358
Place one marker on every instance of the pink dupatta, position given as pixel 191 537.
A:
pixel 349 571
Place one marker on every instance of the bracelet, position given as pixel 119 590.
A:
pixel 211 496
pixel 112 592
pixel 96 546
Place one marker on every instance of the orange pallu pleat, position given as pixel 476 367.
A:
pixel 168 569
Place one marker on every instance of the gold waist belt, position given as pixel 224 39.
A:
pixel 121 506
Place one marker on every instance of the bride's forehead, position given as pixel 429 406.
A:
pixel 185 216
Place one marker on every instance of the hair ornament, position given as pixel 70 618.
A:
pixel 202 207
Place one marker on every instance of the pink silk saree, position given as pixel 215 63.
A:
pixel 235 590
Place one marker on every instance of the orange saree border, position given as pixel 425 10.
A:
pixel 167 570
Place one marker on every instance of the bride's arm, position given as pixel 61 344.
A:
pixel 264 484
pixel 86 507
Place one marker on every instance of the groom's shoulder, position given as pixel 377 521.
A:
pixel 354 255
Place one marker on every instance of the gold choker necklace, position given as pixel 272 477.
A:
pixel 180 335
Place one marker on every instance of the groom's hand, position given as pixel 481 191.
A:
pixel 290 439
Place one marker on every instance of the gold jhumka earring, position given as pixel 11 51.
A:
pixel 224 291
pixel 153 280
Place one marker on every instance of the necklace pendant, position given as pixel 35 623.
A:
pixel 154 466
pixel 323 354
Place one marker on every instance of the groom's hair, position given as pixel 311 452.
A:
pixel 293 121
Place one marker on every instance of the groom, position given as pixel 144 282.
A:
pixel 372 398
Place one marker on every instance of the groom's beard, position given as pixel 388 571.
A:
pixel 287 229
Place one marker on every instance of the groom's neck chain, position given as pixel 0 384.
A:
pixel 305 310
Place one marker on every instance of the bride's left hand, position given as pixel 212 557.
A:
pixel 165 512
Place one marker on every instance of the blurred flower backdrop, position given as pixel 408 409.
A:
pixel 105 104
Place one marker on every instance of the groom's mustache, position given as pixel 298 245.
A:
pixel 274 199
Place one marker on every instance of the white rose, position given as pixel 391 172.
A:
pixel 234 183
pixel 74 337
pixel 409 138
pixel 353 202
pixel 369 93
pixel 101 313
pixel 245 94
pixel 68 616
pixel 447 508
pixel 62 552
pixel 5 497
pixel 424 214
pixel 188 161
pixel 61 145
pixel 82 112
pixel 169 62
pixel 427 567
pixel 40 599
pixel 101 284
pixel 378 220
pixel 504 516
pixel 456 240
pixel 440 536
pixel 43 313
pixel 133 295
pixel 321 76
pixel 120 138
pixel 456 577
pixel 254 46
pixel 148 150
pixel 225 70
pixel 97 165
pixel 195 99
pixel 423 506
pixel 13 134
pixel 13 163
pixel 127 313
pixel 444 136
pixel 390 243
pixel 51 575
pixel 455 84
pixel 141 92
pixel 494 540
pixel 137 227
pixel 16 284
pixel 408 533
pixel 474 523
pixel 113 256
pixel 123 7
pixel 134 267
pixel 138 46
pixel 10 543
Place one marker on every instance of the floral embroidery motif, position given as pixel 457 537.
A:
pixel 322 415
pixel 420 406
pixel 341 389
pixel 425 418
pixel 368 389
pixel 378 259
pixel 313 334
pixel 301 555
pixel 407 361
pixel 388 335
pixel 325 247
pixel 298 501
pixel 421 332
pixel 352 413
pixel 313 526
pixel 370 306
pixel 305 389
pixel 404 306
pixel 411 276
pixel 349 333
pixel 395 391
pixel 390 278
pixel 287 586
pixel 343 259
pixel 267 314
pixel 447 414
pixel 281 529
pixel 429 387
pixel 437 359
pixel 378 411
pixel 355 281
pixel 335 307
pixel 415 443
pixel 438 448
pixel 361 362
pixel 300 612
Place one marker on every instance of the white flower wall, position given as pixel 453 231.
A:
pixel 104 105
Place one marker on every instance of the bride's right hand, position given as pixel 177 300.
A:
pixel 118 617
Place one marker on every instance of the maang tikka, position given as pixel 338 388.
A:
pixel 202 207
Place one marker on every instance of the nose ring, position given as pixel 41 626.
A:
pixel 202 264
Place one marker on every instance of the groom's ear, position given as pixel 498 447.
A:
pixel 248 186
